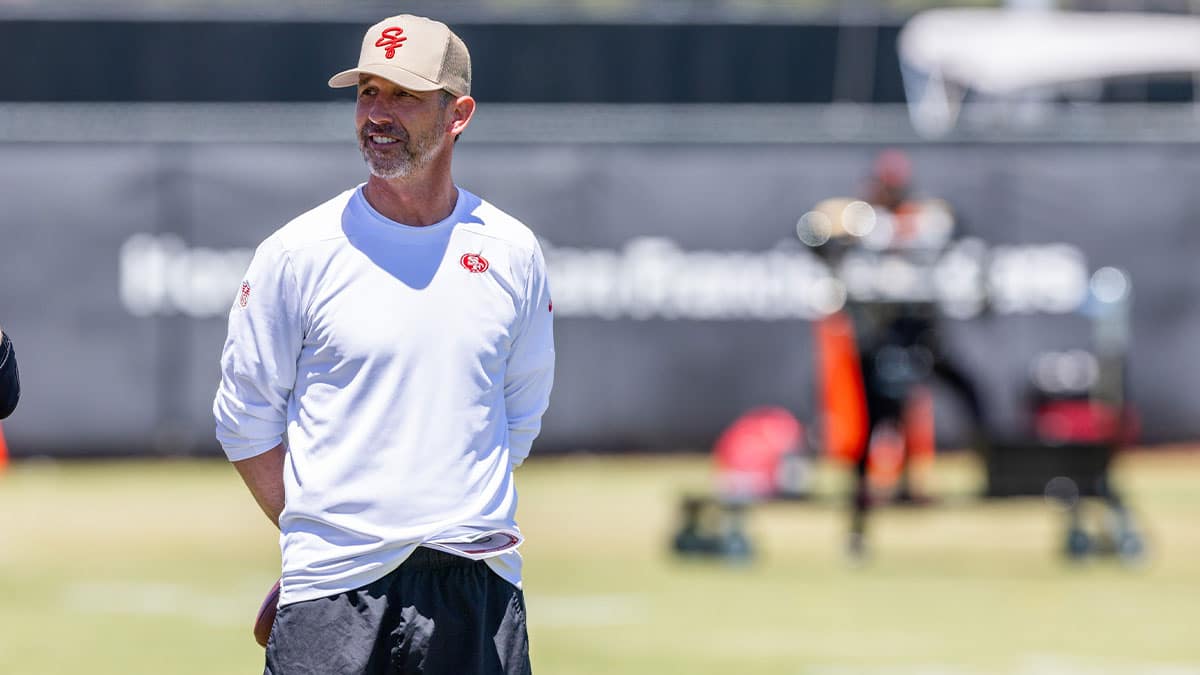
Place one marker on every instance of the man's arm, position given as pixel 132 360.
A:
pixel 529 375
pixel 263 474
pixel 10 383
pixel 258 372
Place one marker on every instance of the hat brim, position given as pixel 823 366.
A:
pixel 404 78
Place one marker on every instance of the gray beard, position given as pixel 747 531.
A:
pixel 410 158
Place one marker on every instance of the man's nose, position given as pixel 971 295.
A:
pixel 378 114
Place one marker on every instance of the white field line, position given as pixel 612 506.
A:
pixel 573 611
pixel 181 601
pixel 1030 664
pixel 159 599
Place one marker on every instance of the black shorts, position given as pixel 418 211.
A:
pixel 437 614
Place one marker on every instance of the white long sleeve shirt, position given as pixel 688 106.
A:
pixel 409 368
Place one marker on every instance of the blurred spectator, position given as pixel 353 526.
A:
pixel 880 355
pixel 890 183
pixel 10 383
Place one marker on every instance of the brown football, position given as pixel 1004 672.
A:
pixel 266 615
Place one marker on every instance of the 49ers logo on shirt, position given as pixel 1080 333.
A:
pixel 244 296
pixel 474 263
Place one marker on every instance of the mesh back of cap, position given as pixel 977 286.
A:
pixel 456 67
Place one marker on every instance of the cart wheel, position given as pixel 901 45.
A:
pixel 687 540
pixel 1131 548
pixel 735 547
pixel 1079 544
pixel 733 544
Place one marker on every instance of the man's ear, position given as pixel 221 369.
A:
pixel 462 110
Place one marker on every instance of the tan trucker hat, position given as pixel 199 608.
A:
pixel 414 52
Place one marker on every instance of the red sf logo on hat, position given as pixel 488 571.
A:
pixel 473 263
pixel 391 40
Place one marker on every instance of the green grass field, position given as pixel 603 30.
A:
pixel 128 568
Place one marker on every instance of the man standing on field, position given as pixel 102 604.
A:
pixel 399 336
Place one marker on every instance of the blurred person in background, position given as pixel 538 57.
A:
pixel 10 382
pixel 400 336
pixel 890 183
pixel 879 356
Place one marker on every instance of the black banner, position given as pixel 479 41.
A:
pixel 683 297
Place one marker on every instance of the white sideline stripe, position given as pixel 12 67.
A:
pixel 1031 664
pixel 158 599
pixel 573 611
pixel 178 600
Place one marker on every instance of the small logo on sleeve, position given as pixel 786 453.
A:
pixel 391 41
pixel 244 296
pixel 474 263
